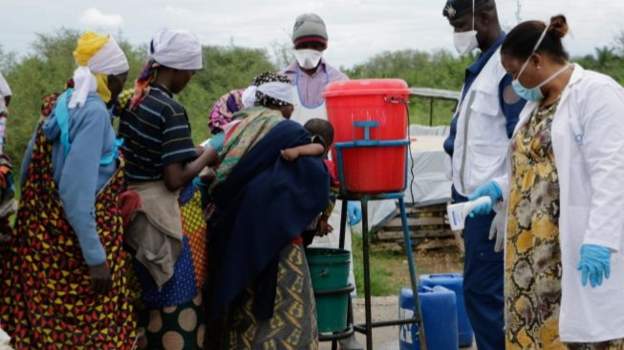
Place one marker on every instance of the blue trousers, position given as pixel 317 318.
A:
pixel 483 282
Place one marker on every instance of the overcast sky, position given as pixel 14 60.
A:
pixel 358 29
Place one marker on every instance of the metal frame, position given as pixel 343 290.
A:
pixel 435 94
pixel 364 199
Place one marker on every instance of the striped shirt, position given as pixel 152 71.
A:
pixel 156 133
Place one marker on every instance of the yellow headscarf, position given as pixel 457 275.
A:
pixel 88 45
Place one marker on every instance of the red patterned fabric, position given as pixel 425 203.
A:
pixel 46 298
pixel 129 202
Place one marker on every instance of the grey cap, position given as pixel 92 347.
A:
pixel 309 26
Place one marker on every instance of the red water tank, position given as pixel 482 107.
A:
pixel 382 105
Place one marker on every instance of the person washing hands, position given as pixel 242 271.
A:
pixel 564 264
pixel 310 74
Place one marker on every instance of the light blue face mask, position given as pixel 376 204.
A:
pixel 534 94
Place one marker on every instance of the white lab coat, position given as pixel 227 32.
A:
pixel 481 142
pixel 588 144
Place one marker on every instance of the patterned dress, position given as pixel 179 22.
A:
pixel 293 325
pixel 173 317
pixel 533 255
pixel 223 110
pixel 46 297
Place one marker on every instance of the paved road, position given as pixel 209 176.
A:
pixel 384 308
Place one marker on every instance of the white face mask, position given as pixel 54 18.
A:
pixel 308 58
pixel 466 42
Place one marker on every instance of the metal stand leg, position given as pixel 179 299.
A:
pixel 367 284
pixel 367 327
pixel 412 270
pixel 343 223
pixel 343 232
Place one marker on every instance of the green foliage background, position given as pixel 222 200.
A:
pixel 50 64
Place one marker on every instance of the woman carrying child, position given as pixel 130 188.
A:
pixel 260 293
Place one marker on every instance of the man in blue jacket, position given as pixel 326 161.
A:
pixel 478 142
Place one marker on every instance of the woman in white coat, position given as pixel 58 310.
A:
pixel 564 264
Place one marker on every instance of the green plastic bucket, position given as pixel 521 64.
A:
pixel 329 269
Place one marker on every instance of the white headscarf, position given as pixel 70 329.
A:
pixel 279 91
pixel 177 49
pixel 110 60
pixel 249 96
pixel 5 91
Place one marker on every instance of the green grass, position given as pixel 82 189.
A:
pixel 389 268
pixel 386 275
pixel 420 112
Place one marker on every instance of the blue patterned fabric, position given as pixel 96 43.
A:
pixel 180 289
pixel 187 193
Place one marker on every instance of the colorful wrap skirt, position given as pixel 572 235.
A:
pixel 293 325
pixel 46 296
pixel 173 316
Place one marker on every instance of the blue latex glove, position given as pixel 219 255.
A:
pixel 595 264
pixel 489 189
pixel 217 141
pixel 354 211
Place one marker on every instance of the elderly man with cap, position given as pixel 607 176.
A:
pixel 480 130
pixel 163 160
pixel 310 74
pixel 66 283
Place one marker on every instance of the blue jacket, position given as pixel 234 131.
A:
pixel 511 111
pixel 264 204
pixel 79 175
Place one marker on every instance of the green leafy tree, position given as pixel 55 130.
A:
pixel 225 69
pixel 44 71
pixel 439 70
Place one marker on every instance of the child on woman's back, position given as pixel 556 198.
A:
pixel 322 139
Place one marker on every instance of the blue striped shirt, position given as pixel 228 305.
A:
pixel 157 133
